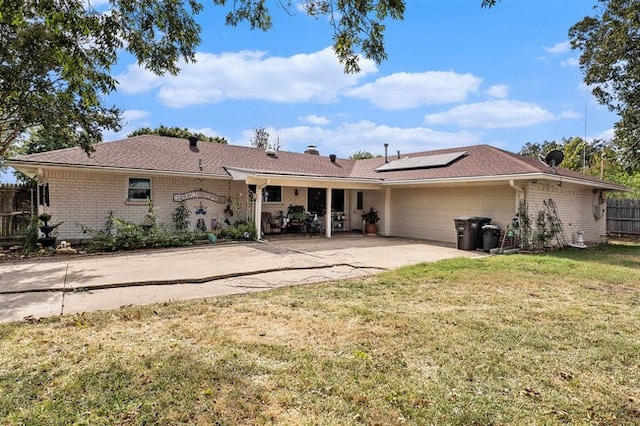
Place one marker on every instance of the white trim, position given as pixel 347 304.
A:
pixel 252 177
pixel 22 165
pixel 505 178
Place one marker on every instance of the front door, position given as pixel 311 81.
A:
pixel 355 218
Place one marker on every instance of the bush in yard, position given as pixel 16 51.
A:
pixel 240 231
pixel 120 234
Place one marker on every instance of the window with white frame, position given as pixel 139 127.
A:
pixel 139 189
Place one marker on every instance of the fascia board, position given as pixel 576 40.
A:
pixel 318 181
pixel 31 167
pixel 520 177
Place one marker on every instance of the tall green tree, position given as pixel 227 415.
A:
pixel 609 46
pixel 56 56
pixel 177 132
pixel 579 155
pixel 596 158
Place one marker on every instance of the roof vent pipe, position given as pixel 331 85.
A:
pixel 193 141
pixel 386 159
pixel 312 149
pixel 332 157
pixel 398 154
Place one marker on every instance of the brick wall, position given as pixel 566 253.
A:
pixel 574 206
pixel 82 198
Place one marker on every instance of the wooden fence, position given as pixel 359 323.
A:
pixel 623 216
pixel 16 204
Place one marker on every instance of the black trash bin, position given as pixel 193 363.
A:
pixel 478 239
pixel 466 229
pixel 490 237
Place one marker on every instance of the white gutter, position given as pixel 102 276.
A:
pixel 360 183
pixel 507 178
pixel 318 181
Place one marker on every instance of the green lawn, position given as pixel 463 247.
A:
pixel 521 339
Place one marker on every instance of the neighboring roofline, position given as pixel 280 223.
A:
pixel 506 178
pixel 16 164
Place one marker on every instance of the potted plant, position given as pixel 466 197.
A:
pixel 371 219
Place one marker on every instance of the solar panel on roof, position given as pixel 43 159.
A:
pixel 423 162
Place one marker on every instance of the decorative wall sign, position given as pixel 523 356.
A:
pixel 200 193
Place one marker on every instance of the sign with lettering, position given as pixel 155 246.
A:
pixel 200 193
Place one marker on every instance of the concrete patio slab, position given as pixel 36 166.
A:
pixel 78 284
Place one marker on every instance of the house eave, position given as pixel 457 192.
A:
pixel 30 168
pixel 505 178
pixel 261 178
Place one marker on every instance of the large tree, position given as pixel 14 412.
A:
pixel 177 132
pixel 56 56
pixel 609 46
pixel 596 158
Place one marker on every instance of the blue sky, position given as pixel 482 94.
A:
pixel 456 75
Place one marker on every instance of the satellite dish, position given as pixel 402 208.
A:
pixel 554 158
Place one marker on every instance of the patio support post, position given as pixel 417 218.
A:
pixel 387 212
pixel 327 216
pixel 258 211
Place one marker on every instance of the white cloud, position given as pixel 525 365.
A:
pixel 558 48
pixel 569 115
pixel 410 90
pixel 500 91
pixel 135 115
pixel 349 137
pixel 315 119
pixel 248 75
pixel 607 135
pixel 571 62
pixel 492 114
pixel 137 80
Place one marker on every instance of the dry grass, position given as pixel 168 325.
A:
pixel 550 339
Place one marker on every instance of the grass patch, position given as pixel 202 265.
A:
pixel 545 339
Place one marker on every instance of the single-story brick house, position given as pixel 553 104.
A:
pixel 416 194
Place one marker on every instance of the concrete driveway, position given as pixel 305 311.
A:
pixel 77 284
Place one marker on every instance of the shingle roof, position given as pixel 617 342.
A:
pixel 172 155
pixel 159 153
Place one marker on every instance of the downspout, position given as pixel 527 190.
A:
pixel 519 193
